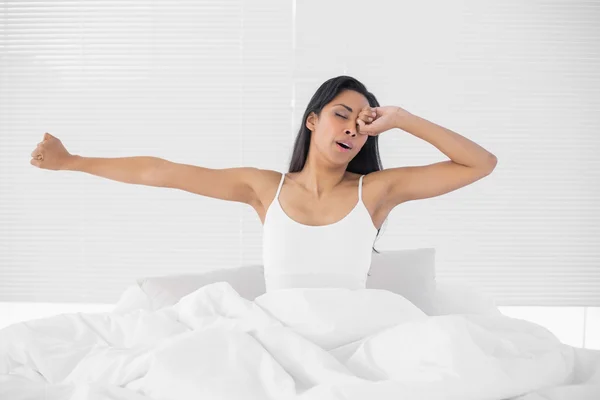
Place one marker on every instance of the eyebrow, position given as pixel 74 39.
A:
pixel 347 108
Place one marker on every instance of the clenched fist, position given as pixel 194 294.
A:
pixel 50 154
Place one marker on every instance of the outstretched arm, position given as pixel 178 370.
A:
pixel 233 184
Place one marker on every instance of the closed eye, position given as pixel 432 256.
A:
pixel 344 117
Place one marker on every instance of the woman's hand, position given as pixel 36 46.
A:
pixel 50 154
pixel 375 120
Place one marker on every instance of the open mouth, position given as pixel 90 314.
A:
pixel 343 146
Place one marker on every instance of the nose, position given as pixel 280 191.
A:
pixel 352 132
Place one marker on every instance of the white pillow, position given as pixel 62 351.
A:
pixel 133 298
pixel 409 273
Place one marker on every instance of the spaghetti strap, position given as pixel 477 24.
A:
pixel 360 188
pixel 280 185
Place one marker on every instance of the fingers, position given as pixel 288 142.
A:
pixel 37 155
pixel 371 111
pixel 38 151
pixel 361 126
pixel 368 114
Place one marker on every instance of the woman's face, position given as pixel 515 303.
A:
pixel 338 123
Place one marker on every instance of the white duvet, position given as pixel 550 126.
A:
pixel 296 343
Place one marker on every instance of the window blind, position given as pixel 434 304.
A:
pixel 224 84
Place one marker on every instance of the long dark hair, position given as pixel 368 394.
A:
pixel 367 160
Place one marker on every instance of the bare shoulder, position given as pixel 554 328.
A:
pixel 266 178
pixel 374 195
pixel 374 189
pixel 376 179
pixel 263 184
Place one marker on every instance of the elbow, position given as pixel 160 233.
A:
pixel 156 173
pixel 491 163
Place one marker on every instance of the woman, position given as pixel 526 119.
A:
pixel 319 224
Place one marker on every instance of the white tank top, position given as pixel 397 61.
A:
pixel 334 255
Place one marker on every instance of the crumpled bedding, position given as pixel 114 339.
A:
pixel 302 343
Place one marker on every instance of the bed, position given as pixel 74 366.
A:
pixel 218 335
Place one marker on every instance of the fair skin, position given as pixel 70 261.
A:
pixel 323 192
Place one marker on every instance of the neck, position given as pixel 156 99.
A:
pixel 320 180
